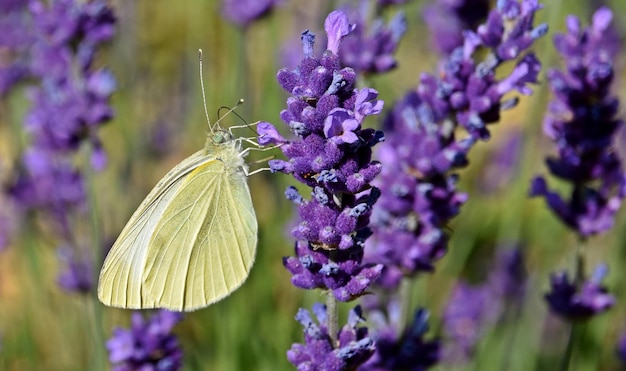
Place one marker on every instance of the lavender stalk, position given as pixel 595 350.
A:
pixel 331 154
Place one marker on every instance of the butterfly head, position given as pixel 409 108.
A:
pixel 219 137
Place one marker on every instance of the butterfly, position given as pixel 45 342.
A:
pixel 192 241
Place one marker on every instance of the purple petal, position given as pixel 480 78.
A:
pixel 337 26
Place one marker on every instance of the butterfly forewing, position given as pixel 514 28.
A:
pixel 121 277
pixel 204 249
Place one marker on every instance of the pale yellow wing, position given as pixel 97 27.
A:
pixel 204 247
pixel 121 277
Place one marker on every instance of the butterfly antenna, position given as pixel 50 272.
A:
pixel 206 111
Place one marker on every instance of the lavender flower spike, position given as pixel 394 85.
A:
pixel 582 123
pixel 147 345
pixel 332 155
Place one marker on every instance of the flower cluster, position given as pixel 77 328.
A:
pixel 419 195
pixel 370 48
pixel 55 48
pixel 332 155
pixel 447 19
pixel 147 345
pixel 69 103
pixel 582 123
pixel 578 301
pixel 245 12
pixel 319 353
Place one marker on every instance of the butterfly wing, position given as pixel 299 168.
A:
pixel 204 246
pixel 121 277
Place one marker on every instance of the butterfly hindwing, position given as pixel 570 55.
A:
pixel 121 277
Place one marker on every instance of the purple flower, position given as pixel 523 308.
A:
pixel 340 126
pixel 15 39
pixel 502 163
pixel 370 48
pixel 422 150
pixel 78 273
pixel 147 345
pixel 70 101
pixel 579 301
pixel 447 19
pixel 244 12
pixel 50 46
pixel 466 318
pixel 508 277
pixel 472 309
pixel 318 353
pixel 401 349
pixel 268 134
pixel 582 123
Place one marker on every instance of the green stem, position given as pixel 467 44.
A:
pixel 575 330
pixel 405 302
pixel 333 318
pixel 96 243
pixel 569 351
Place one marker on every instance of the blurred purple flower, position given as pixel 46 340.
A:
pixel 78 273
pixel 384 3
pixel 147 345
pixel 502 163
pixel 472 309
pixel 70 100
pixel 370 48
pixel 54 44
pixel 244 12
pixel 447 19
pixel 15 39
pixel 401 349
pixel 421 151
pixel 508 277
pixel 466 317
pixel 621 348
pixel 582 123
pixel 318 352
pixel 579 301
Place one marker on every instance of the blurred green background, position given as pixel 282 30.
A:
pixel 160 120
